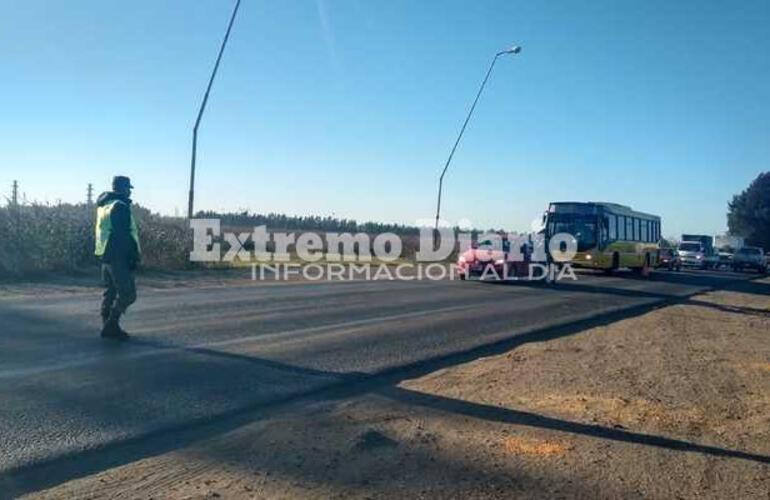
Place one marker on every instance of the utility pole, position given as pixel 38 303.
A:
pixel 16 210
pixel 90 195
pixel 200 112
pixel 15 194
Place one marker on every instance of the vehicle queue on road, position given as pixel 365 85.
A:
pixel 610 236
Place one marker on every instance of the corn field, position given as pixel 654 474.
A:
pixel 38 238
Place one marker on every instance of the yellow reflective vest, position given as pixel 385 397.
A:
pixel 104 226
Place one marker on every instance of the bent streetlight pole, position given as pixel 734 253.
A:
pixel 202 108
pixel 512 50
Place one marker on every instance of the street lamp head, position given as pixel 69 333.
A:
pixel 513 50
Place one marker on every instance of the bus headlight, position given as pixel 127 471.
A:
pixel 588 256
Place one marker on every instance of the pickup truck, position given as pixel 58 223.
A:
pixel 750 257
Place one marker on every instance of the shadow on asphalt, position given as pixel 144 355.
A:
pixel 731 283
pixel 688 278
pixel 345 385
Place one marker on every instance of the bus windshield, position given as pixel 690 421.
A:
pixel 581 227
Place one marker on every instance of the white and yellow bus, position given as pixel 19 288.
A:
pixel 609 236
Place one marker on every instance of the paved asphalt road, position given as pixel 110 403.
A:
pixel 201 353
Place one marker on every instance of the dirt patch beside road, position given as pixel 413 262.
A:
pixel 674 403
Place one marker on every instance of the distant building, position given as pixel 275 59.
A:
pixel 728 241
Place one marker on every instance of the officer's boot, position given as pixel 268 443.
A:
pixel 123 334
pixel 111 328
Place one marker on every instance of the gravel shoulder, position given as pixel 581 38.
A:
pixel 674 403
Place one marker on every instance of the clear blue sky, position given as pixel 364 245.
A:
pixel 350 107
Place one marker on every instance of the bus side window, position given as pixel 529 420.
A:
pixel 621 227
pixel 603 230
pixel 613 227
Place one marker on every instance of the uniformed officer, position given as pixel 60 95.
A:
pixel 117 245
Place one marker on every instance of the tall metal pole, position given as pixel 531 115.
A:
pixel 513 50
pixel 15 194
pixel 202 108
pixel 16 209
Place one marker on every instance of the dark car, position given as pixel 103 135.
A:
pixel 750 258
pixel 669 259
